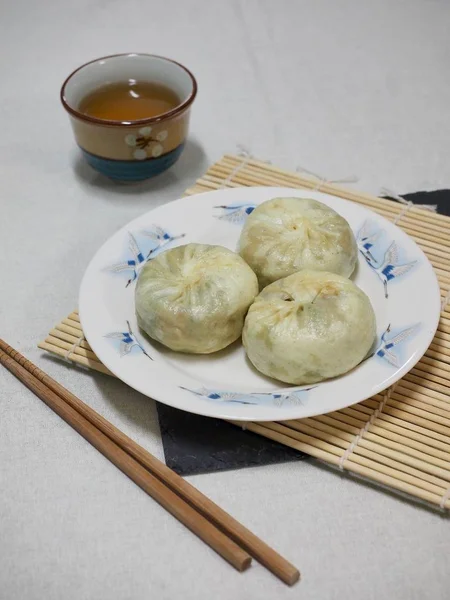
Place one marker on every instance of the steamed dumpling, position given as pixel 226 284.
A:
pixel 286 235
pixel 308 327
pixel 194 298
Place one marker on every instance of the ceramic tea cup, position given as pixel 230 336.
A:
pixel 136 149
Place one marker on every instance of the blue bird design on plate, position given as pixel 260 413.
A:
pixel 388 268
pixel 292 397
pixel 160 239
pixel 366 240
pixel 386 347
pixel 235 213
pixel 128 341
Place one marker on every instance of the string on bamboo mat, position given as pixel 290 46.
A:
pixel 445 300
pixel 321 181
pixel 365 429
pixel 74 347
pixel 444 499
pixel 246 156
pixel 407 204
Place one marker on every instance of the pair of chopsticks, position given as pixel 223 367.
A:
pixel 234 542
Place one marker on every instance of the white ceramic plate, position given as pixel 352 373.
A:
pixel 392 270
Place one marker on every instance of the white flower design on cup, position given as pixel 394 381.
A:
pixel 144 144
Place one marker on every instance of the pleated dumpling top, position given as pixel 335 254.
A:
pixel 194 298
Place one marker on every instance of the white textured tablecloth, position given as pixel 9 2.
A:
pixel 346 87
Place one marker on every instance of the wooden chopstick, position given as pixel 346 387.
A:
pixel 180 509
pixel 211 523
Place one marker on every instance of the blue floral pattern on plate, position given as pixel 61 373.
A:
pixel 127 341
pixel 235 213
pixel 159 239
pixel 291 397
pixel 388 268
pixel 389 340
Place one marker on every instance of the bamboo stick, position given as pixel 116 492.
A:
pixel 349 419
pixel 416 407
pixel 443 326
pixel 424 402
pixel 410 417
pixel 444 370
pixel 431 373
pixel 431 383
pixel 248 177
pixel 356 410
pixel 431 248
pixel 442 356
pixel 343 424
pixel 419 441
pixel 444 274
pixel 406 454
pixel 67 337
pixel 392 416
pixel 439 345
pixel 333 436
pixel 365 448
pixel 66 346
pixel 420 409
pixel 418 391
pixel 346 193
pixel 72 324
pixel 385 427
pixel 407 388
pixel 373 434
pixel 334 459
pixel 441 335
pixel 408 225
pixel 68 329
pixel 435 437
pixel 85 362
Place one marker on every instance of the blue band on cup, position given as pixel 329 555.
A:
pixel 133 170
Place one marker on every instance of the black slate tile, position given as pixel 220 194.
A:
pixel 194 444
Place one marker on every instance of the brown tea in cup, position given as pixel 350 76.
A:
pixel 129 101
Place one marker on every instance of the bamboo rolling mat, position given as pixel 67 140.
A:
pixel 399 439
